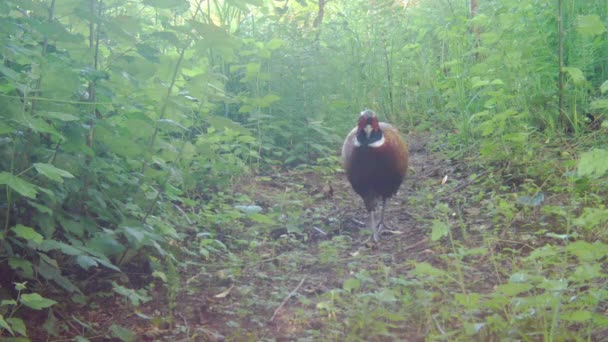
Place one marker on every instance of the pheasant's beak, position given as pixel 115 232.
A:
pixel 368 130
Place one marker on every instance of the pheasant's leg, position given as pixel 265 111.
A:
pixel 373 225
pixel 381 226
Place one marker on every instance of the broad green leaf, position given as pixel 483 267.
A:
pixel 261 218
pixel 106 244
pixel 351 284
pixel 604 87
pixel 424 268
pixel 122 333
pixel 51 244
pixel 52 172
pixel 586 272
pixel 513 289
pixel 593 163
pixel 268 100
pixel 86 261
pixel 439 229
pixel 253 69
pixel 577 316
pixel 586 251
pixel 56 31
pixel 599 104
pixel 8 302
pixel 575 74
pixel 41 126
pixel 49 269
pixel 22 264
pixel 4 324
pixel 36 301
pixel 10 73
pixel 223 122
pixel 27 233
pixel 18 325
pixel 274 44
pixel 590 25
pixel 21 186
pixel 592 218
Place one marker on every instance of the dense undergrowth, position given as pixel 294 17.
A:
pixel 131 132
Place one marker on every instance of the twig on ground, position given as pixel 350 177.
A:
pixel 421 242
pixel 464 185
pixel 292 293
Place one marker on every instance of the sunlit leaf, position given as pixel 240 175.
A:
pixel 27 233
pixel 513 289
pixel 575 74
pixel 18 325
pixel 599 104
pixel 586 251
pixel 424 268
pixel 351 284
pixel 577 316
pixel 21 186
pixel 36 301
pixel 593 163
pixel 591 25
pixel 604 87
pixel 439 229
pixel 52 172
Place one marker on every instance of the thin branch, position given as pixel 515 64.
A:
pixel 291 294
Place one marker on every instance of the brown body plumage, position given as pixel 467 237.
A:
pixel 375 159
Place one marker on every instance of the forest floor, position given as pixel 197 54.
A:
pixel 325 280
pixel 277 298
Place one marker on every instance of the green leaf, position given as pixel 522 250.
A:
pixel 351 284
pixel 36 301
pixel 604 87
pixel 593 163
pixel 21 186
pixel 599 104
pixel 8 302
pixel 27 233
pixel 86 261
pixel 592 218
pixel 51 244
pixel 18 325
pixel 122 333
pixel 439 229
pixel 106 244
pixel 513 289
pixel 424 268
pixel 4 325
pixel 590 25
pixel 577 316
pixel 59 116
pixel 22 264
pixel 586 251
pixel 274 44
pixel 575 74
pixel 52 172
pixel 10 73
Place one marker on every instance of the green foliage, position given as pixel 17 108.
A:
pixel 127 129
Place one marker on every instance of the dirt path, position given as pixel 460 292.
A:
pixel 280 294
